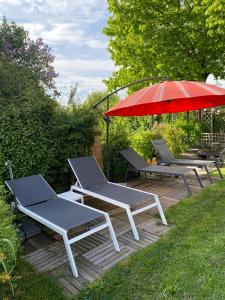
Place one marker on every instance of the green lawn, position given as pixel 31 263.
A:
pixel 30 285
pixel 215 173
pixel 187 263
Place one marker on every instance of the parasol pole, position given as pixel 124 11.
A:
pixel 188 122
pixel 106 118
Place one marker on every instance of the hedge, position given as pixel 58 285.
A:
pixel 8 244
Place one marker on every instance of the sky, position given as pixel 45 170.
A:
pixel 73 29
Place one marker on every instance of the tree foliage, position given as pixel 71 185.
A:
pixel 17 47
pixel 9 245
pixel 38 135
pixel 73 99
pixel 182 39
pixel 36 132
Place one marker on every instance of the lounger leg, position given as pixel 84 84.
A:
pixel 161 212
pixel 112 233
pixel 70 255
pixel 218 169
pixel 82 199
pixel 186 184
pixel 132 224
pixel 198 178
pixel 209 176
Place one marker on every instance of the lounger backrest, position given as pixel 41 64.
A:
pixel 162 149
pixel 134 158
pixel 31 190
pixel 87 171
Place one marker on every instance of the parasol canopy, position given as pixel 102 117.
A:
pixel 169 97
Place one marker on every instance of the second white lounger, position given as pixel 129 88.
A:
pixel 91 181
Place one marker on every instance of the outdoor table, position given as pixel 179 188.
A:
pixel 71 196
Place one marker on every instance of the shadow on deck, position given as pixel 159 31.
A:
pixel 95 254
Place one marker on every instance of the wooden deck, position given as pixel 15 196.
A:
pixel 95 254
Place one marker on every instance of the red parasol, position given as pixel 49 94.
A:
pixel 169 97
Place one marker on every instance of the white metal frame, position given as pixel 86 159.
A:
pixel 78 187
pixel 64 233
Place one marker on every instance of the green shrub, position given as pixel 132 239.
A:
pixel 72 136
pixel 141 142
pixel 193 128
pixel 118 140
pixel 174 136
pixel 26 122
pixel 25 137
pixel 39 137
pixel 36 133
pixel 8 244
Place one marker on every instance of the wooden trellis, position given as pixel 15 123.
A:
pixel 213 138
pixel 207 120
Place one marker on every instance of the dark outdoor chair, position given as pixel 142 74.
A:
pixel 138 164
pixel 166 157
pixel 91 181
pixel 38 200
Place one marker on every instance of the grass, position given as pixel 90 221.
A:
pixel 215 173
pixel 30 285
pixel 187 263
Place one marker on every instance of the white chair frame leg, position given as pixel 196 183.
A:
pixel 112 233
pixel 161 212
pixel 132 224
pixel 70 255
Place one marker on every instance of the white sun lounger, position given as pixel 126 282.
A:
pixel 38 200
pixel 91 181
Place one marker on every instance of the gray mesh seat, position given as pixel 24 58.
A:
pixel 38 200
pixel 64 214
pixel 167 158
pixel 92 181
pixel 140 165
pixel 116 192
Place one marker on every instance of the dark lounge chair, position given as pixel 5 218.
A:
pixel 35 198
pixel 166 157
pixel 91 181
pixel 138 164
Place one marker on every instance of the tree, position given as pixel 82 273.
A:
pixel 73 99
pixel 182 39
pixel 18 48
pixel 36 132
